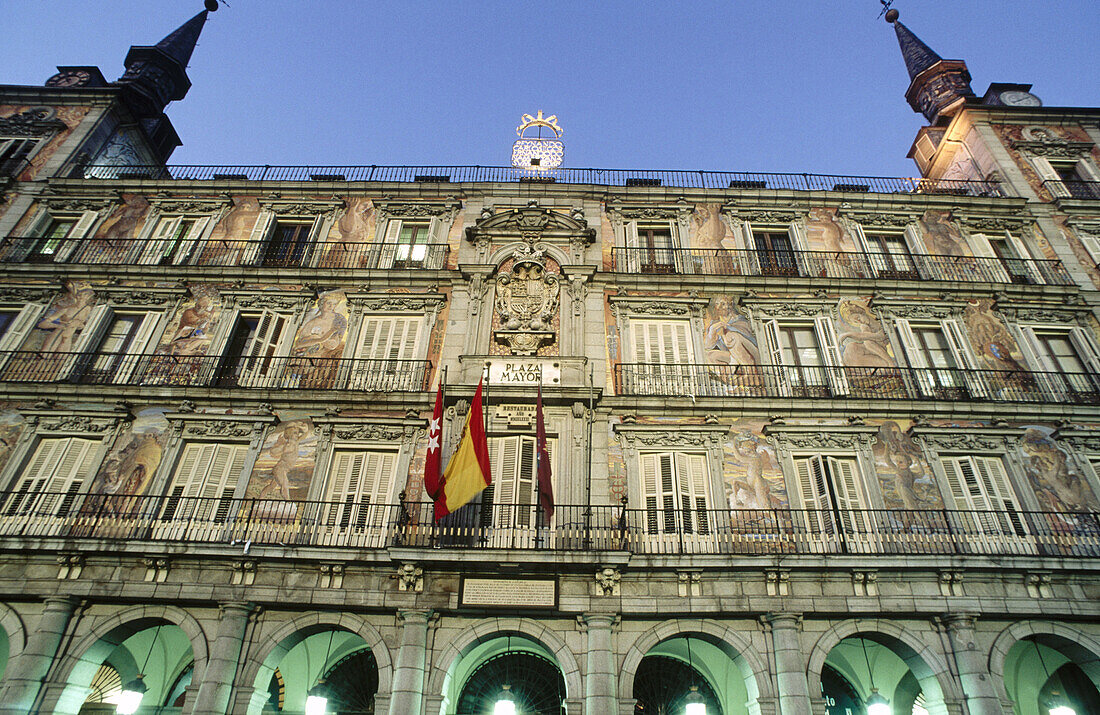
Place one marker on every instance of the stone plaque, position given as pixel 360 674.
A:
pixel 509 592
pixel 517 371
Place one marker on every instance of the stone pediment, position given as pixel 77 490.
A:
pixel 531 222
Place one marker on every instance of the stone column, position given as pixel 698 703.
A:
pixel 981 696
pixel 790 667
pixel 409 674
pixel 27 673
pixel 221 666
pixel 600 675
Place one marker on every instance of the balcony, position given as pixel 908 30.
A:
pixel 508 174
pixel 841 265
pixel 863 383
pixel 1073 189
pixel 655 531
pixel 269 373
pixel 228 253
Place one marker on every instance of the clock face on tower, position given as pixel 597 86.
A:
pixel 1016 98
pixel 69 78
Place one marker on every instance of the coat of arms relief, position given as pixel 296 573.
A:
pixel 526 302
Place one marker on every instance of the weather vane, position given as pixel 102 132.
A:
pixel 885 6
pixel 536 153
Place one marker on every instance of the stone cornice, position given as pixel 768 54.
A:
pixel 965 439
pixel 295 206
pixel 657 305
pixel 385 302
pixel 668 436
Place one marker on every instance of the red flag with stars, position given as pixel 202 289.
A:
pixel 432 483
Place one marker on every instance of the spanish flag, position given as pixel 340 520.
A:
pixel 468 471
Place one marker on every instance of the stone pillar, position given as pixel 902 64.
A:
pixel 790 667
pixel 221 666
pixel 601 676
pixel 26 674
pixel 409 675
pixel 981 695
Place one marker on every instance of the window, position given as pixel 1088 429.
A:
pixel 675 492
pixel 283 241
pixel 173 240
pixel 805 358
pixel 1076 180
pixel 832 495
pixel 52 238
pixel 406 243
pixel 941 362
pixel 253 351
pixel 52 479
pixel 890 256
pixel 980 490
pixel 204 482
pixel 664 358
pixel 14 153
pixel 774 252
pixel 386 354
pixel 16 324
pixel 1068 358
pixel 114 342
pixel 359 486
pixel 1012 263
pixel 651 246
pixel 512 499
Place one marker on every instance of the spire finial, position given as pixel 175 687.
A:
pixel 211 5
pixel 892 16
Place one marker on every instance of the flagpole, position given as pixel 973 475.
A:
pixel 588 461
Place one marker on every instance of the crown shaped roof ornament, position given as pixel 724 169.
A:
pixel 538 153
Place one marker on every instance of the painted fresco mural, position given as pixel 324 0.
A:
pixel 69 116
pixel 126 220
pixel 994 346
pixel 941 237
pixel 357 223
pixel 45 349
pixel 227 242
pixel 751 475
pixel 320 341
pixel 710 230
pixel 284 467
pixel 1058 484
pixel 186 339
pixel 861 337
pixel 133 460
pixel 11 429
pixel 904 476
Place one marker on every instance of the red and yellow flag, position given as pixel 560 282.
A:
pixel 468 471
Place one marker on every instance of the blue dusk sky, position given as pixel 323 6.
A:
pixel 742 85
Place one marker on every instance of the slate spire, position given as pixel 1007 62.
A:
pixel 156 75
pixel 938 88
pixel 180 44
pixel 917 55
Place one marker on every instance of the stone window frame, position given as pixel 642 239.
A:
pixel 741 222
pixel 213 210
pixel 402 436
pixel 321 212
pixel 851 440
pixel 49 423
pixel 678 215
pixel 708 439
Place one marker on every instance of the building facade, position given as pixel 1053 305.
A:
pixel 816 441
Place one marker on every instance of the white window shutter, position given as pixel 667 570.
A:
pixel 650 494
pixel 135 353
pixel 525 482
pixel 991 472
pixel 342 490
pixel 162 237
pixel 1050 177
pixel 1034 354
pixel 830 349
pixel 1084 345
pixel 84 225
pixel 34 476
pixel 260 233
pixel 389 243
pixel 914 240
pixel 21 327
pixel 194 235
pixel 991 265
pixel 261 366
pixel 958 484
pixel 382 340
pixel 879 263
pixel 1031 268
pixel 775 357
pixel 88 339
pixel 633 249
pixel 435 230
pixel 915 357
pixel 815 494
pixel 72 471
pixel 964 358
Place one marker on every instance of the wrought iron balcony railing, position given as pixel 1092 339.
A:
pixel 1068 188
pixel 362 525
pixel 865 383
pixel 224 253
pixel 598 177
pixel 838 264
pixel 165 369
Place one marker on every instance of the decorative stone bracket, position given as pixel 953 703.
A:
pixel 410 577
pixel 607 581
pixel 332 576
pixel 778 582
pixel 156 570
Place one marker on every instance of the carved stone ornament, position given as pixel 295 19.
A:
pixel 397 302
pixel 766 309
pixel 219 428
pixel 918 310
pixel 270 300
pixel 685 436
pixel 1053 148
pixel 681 212
pixel 74 204
pixel 189 204
pixel 77 423
pixel 142 296
pixel 531 223
pixel 370 433
pixel 838 437
pixel 607 581
pixel 878 219
pixel 626 305
pixel 26 294
pixel 445 210
pixel 763 216
pixel 992 224
pixel 1041 314
pixel 526 302
pixel 301 207
pixel 944 439
pixel 34 122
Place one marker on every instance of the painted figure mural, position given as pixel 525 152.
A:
pixel 11 428
pixel 58 329
pixel 319 343
pixel 904 476
pixel 863 343
pixel 1058 485
pixel 996 349
pixel 754 479
pixel 285 465
pixel 133 460
pixel 728 337
pixel 826 234
pixel 180 356
pixel 940 235
pixel 126 221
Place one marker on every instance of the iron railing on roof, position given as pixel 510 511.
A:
pixel 659 529
pixel 170 366
pixel 838 264
pixel 508 174
pixel 220 252
pixel 863 383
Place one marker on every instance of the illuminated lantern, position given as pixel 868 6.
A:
pixel 537 152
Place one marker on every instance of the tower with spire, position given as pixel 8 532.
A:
pixel 937 87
